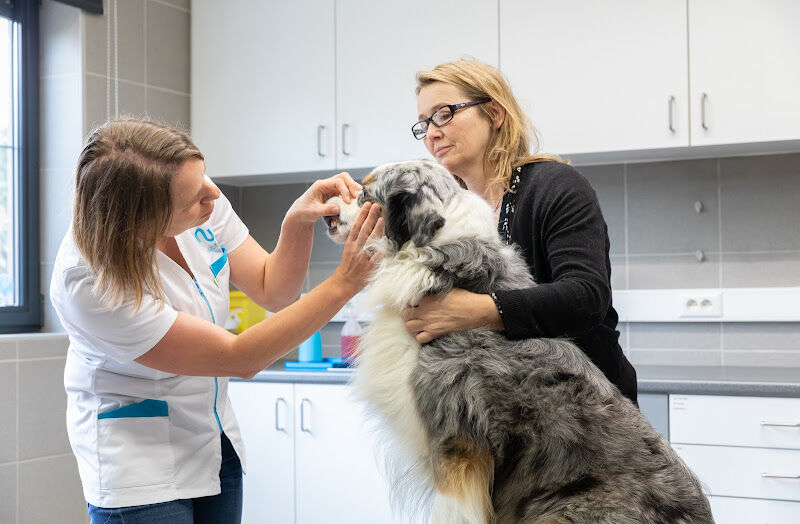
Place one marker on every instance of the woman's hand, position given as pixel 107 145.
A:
pixel 311 206
pixel 458 310
pixel 358 259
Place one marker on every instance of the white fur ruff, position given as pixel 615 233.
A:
pixel 388 355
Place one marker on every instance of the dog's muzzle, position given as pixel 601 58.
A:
pixel 333 223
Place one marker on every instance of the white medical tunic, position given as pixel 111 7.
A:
pixel 141 436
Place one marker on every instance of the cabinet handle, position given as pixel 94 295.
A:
pixel 781 424
pixel 703 99
pixel 345 149
pixel 779 476
pixel 670 106
pixel 303 426
pixel 277 414
pixel 320 131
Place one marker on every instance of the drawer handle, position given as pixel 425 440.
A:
pixel 781 424
pixel 278 402
pixel 303 426
pixel 345 136
pixel 320 131
pixel 779 476
pixel 670 105
pixel 703 99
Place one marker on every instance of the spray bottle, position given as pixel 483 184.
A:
pixel 351 334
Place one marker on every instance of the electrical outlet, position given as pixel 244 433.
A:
pixel 701 305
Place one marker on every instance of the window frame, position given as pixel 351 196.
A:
pixel 27 316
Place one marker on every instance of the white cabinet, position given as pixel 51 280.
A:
pixel 311 455
pixel 745 451
pixel 266 420
pixel 379 48
pixel 312 86
pixel 745 70
pixel 599 76
pixel 337 478
pixel 754 511
pixel 281 87
pixel 263 86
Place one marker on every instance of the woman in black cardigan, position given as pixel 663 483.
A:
pixel 472 124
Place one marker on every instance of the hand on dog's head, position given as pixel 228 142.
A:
pixel 412 196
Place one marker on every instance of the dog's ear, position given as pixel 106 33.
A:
pixel 411 216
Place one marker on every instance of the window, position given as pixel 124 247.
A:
pixel 20 302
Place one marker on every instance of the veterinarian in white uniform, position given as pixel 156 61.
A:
pixel 148 416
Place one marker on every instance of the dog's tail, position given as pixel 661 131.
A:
pixel 463 474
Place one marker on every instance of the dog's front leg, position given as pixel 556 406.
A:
pixel 463 474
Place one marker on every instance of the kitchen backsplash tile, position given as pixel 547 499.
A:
pixel 675 357
pixel 8 412
pixel 165 106
pixel 263 209
pixel 129 99
pixel 672 271
pixel 42 404
pixel 608 182
pixel 662 197
pixel 167 47
pixel 764 269
pixel 8 350
pixel 131 40
pixel 619 277
pixel 771 359
pixel 8 492
pixel 45 496
pixel 761 336
pixel 663 335
pixel 760 203
pixel 95 95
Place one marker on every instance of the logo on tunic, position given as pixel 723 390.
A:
pixel 218 254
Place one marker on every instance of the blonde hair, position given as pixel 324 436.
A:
pixel 123 204
pixel 509 145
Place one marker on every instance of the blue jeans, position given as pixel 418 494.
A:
pixel 225 508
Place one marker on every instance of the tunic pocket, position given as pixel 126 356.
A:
pixel 133 446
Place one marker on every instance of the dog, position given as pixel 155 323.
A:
pixel 482 429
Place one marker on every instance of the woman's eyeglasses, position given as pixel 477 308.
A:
pixel 441 116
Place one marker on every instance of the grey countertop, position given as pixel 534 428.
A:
pixel 712 380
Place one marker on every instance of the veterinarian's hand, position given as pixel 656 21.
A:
pixel 458 310
pixel 311 204
pixel 358 259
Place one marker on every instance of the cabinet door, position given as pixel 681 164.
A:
pixel 265 415
pixel 744 472
pixel 380 47
pixel 598 76
pixel 764 422
pixel 729 510
pixel 335 461
pixel 744 69
pixel 263 86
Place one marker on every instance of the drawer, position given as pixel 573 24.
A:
pixel 735 421
pixel 753 511
pixel 744 472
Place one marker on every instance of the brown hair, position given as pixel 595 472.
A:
pixel 510 145
pixel 123 204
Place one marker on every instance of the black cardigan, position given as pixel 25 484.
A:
pixel 553 215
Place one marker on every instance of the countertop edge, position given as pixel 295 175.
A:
pixel 645 385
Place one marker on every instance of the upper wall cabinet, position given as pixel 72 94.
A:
pixel 745 70
pixel 379 48
pixel 263 96
pixel 599 76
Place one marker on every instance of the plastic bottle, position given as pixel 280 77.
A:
pixel 351 334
